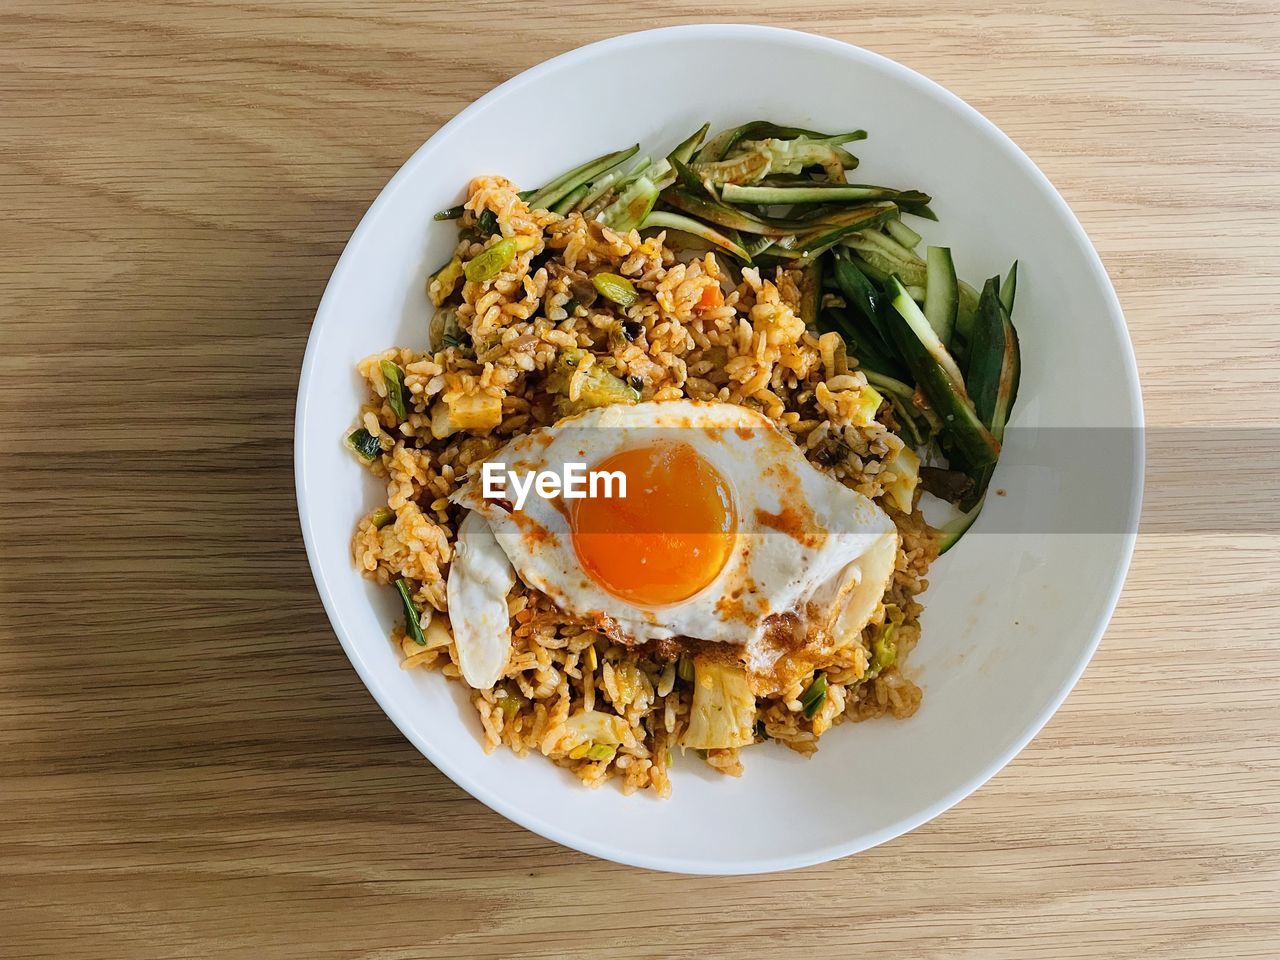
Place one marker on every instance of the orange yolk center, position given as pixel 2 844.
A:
pixel 670 535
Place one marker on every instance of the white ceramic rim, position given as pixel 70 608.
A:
pixel 421 157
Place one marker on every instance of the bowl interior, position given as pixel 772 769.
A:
pixel 1012 614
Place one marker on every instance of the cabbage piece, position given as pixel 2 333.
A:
pixel 905 466
pixel 724 708
pixel 591 727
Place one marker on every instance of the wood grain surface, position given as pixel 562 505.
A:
pixel 189 767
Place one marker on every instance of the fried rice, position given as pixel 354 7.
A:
pixel 701 330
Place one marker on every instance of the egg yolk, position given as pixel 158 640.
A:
pixel 668 538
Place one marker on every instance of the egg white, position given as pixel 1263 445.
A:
pixel 808 567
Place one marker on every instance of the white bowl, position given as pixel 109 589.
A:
pixel 1011 617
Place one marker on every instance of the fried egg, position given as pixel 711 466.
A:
pixel 726 535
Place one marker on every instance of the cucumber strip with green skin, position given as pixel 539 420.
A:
pixel 903 234
pixel 592 210
pixel 599 187
pixel 986 352
pixel 557 189
pixel 597 206
pixel 666 220
pixel 949 533
pixel 891 247
pixel 941 295
pixel 715 148
pixel 705 208
pixel 1009 288
pixel 758 246
pixel 868 350
pixel 890 385
pixel 966 309
pixel 917 344
pixel 571 199
pixel 995 369
pixel 722 144
pixel 689 181
pixel 633 204
pixel 880 266
pixel 816 193
pixel 921 210
pixel 924 332
pixel 858 288
pixel 364 443
pixel 828 234
pixel 859 292
pixel 871 270
pixel 684 152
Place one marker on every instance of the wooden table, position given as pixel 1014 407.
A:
pixel 188 765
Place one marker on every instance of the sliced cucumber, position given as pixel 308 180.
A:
pixel 941 295
pixel 903 234
pixel 810 192
pixel 665 220
pixel 566 183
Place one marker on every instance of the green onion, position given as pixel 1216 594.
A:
pixel 364 443
pixel 602 751
pixel 393 377
pixel 412 615
pixel 491 262
pixel 618 289
pixel 884 651
pixel 508 702
pixel 684 669
pixel 381 517
pixel 814 696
